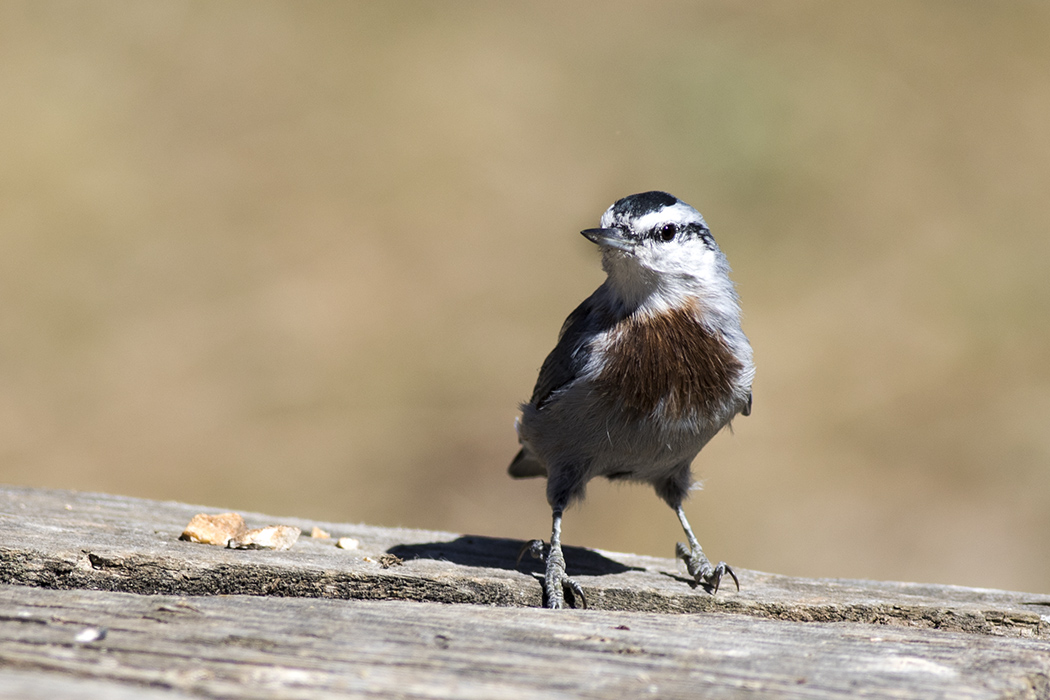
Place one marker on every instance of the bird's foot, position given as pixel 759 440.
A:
pixel 556 584
pixel 700 568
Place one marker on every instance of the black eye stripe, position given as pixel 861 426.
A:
pixel 665 233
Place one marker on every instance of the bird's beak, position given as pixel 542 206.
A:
pixel 609 238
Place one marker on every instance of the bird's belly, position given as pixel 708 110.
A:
pixel 590 432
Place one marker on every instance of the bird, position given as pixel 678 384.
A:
pixel 645 372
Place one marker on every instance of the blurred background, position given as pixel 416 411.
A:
pixel 306 258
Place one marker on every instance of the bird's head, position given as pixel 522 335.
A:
pixel 657 249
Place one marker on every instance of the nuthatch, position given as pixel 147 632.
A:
pixel 646 371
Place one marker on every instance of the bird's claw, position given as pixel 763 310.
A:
pixel 700 568
pixel 535 549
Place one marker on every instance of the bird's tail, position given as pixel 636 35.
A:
pixel 526 465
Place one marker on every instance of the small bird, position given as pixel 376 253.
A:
pixel 646 370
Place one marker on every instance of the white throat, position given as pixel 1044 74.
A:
pixel 658 279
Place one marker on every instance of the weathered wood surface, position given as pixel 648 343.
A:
pixel 63 539
pixel 85 560
pixel 239 646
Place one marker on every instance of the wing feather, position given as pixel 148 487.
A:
pixel 570 355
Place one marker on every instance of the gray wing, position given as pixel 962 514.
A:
pixel 564 362
pixel 562 366
pixel 569 356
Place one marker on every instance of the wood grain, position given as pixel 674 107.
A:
pixel 191 620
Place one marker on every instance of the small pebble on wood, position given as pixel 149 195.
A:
pixel 277 537
pixel 229 530
pixel 90 634
pixel 214 529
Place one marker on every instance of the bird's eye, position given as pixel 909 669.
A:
pixel 668 232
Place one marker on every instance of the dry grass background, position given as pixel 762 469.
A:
pixel 306 258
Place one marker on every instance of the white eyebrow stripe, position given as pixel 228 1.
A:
pixel 680 213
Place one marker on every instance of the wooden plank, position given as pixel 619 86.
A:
pixel 261 647
pixel 171 619
pixel 68 540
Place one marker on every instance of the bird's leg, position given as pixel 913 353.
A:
pixel 696 561
pixel 555 582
